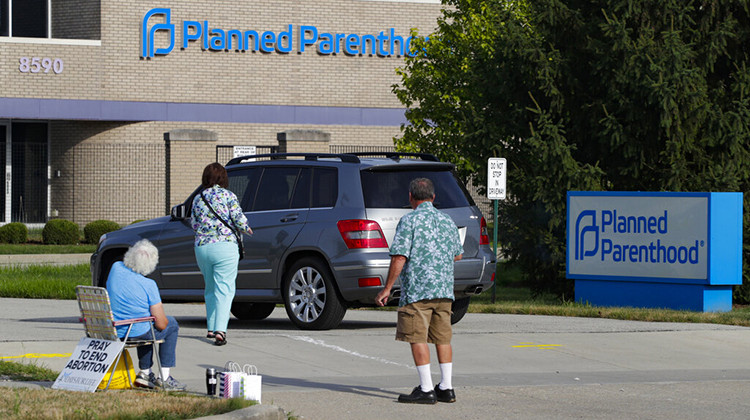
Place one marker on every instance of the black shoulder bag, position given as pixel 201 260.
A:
pixel 237 234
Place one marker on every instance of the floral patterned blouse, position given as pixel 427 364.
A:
pixel 208 229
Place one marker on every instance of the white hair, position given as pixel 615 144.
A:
pixel 142 257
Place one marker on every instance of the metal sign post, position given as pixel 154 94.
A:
pixel 496 176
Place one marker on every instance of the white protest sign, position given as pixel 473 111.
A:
pixel 88 364
pixel 496 171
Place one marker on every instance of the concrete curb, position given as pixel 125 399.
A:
pixel 256 412
pixel 30 385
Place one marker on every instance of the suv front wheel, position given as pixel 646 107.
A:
pixel 310 297
pixel 248 311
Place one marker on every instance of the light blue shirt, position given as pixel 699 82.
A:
pixel 131 295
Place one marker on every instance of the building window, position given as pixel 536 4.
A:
pixel 30 18
pixel 24 191
pixel 4 17
pixel 65 19
pixel 25 18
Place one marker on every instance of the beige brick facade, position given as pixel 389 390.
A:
pixel 125 170
pixel 115 70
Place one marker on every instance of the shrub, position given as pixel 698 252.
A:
pixel 14 233
pixel 94 230
pixel 61 232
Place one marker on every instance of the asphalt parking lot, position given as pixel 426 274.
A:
pixel 505 366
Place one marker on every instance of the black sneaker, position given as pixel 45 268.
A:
pixel 446 396
pixel 418 397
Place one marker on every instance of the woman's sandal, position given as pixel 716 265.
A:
pixel 210 335
pixel 221 338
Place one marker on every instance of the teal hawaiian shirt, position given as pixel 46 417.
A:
pixel 429 240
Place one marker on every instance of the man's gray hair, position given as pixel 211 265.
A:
pixel 142 257
pixel 421 189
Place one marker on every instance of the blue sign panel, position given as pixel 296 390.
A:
pixel 674 250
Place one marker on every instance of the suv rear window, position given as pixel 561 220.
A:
pixel 390 189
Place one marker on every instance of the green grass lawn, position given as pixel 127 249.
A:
pixel 43 281
pixel 23 403
pixel 34 248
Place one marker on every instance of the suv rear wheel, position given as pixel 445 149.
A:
pixel 248 311
pixel 459 308
pixel 310 297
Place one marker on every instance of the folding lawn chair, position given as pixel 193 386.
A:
pixel 96 314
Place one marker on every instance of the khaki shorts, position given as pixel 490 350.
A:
pixel 426 321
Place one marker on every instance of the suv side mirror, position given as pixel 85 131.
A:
pixel 179 212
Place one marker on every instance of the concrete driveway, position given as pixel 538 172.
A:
pixel 505 366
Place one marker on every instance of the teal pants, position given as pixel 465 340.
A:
pixel 218 264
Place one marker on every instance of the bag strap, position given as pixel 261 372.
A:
pixel 235 232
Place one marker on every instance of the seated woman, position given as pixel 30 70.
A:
pixel 133 295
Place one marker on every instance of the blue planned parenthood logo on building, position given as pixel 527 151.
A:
pixel 148 33
pixel 672 250
pixel 299 38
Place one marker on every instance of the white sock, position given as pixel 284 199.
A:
pixel 164 373
pixel 146 371
pixel 425 377
pixel 446 370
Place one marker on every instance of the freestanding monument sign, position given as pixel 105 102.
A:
pixel 655 249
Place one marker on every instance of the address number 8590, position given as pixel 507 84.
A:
pixel 40 65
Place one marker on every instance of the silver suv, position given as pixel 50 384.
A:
pixel 322 225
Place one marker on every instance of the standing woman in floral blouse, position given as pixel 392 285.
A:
pixel 216 246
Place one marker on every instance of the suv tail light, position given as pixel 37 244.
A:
pixel 359 233
pixel 484 238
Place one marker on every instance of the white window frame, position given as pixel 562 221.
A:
pixel 5 125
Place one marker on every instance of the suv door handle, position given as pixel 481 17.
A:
pixel 289 218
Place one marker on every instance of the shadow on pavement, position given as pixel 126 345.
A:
pixel 279 324
pixel 337 387
pixel 57 320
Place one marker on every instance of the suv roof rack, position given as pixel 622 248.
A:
pixel 344 157
pixel 397 155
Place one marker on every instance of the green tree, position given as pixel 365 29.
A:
pixel 583 95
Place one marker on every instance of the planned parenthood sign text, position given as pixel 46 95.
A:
pixel 638 236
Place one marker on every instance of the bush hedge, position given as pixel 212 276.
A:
pixel 61 232
pixel 14 233
pixel 94 230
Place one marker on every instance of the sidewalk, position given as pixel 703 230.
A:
pixel 43 259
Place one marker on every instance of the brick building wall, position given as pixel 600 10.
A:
pixel 118 170
pixel 115 71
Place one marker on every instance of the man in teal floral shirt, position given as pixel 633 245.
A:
pixel 422 254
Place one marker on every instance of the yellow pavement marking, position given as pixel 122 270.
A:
pixel 36 356
pixel 538 346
